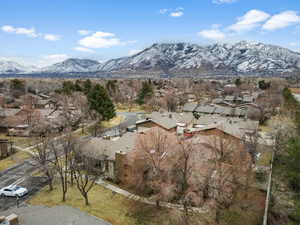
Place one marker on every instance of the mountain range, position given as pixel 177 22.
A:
pixel 244 57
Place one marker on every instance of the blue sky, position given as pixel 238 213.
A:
pixel 42 32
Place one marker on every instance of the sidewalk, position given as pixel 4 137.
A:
pixel 145 200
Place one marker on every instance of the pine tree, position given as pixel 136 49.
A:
pixel 100 101
pixel 87 85
pixel 145 93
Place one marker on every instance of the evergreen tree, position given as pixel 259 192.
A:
pixel 68 87
pixel 87 86
pixel 77 85
pixel 17 84
pixel 293 164
pixel 263 85
pixel 145 93
pixel 111 87
pixel 238 82
pixel 100 101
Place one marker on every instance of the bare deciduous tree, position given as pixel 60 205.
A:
pixel 85 173
pixel 42 156
pixel 62 154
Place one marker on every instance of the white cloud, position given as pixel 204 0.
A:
pixel 57 57
pixel 177 14
pixel 8 29
pixel 294 44
pixel 51 37
pixel 101 40
pixel 51 59
pixel 133 52
pixel 82 49
pixel 250 20
pixel 223 1
pixel 163 11
pixel 212 34
pixel 84 32
pixel 281 20
pixel 30 32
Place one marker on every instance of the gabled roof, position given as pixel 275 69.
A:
pixel 101 149
pixel 189 107
pixel 229 98
pixel 164 120
pixel 205 109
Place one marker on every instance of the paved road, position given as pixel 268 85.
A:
pixel 20 174
pixel 130 119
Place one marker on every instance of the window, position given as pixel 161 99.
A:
pixel 106 165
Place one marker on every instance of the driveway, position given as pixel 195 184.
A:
pixel 130 119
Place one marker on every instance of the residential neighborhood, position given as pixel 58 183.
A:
pixel 198 155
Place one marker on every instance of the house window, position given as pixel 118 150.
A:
pixel 106 165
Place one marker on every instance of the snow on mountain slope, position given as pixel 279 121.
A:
pixel 242 57
pixel 73 65
pixel 10 67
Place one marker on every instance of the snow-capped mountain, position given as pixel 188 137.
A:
pixel 10 67
pixel 180 58
pixel 73 65
pixel 244 57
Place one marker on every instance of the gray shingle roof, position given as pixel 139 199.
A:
pixel 99 148
pixel 205 109
pixel 163 120
pixel 189 107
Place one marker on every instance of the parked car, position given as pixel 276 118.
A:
pixel 13 191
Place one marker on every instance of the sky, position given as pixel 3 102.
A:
pixel 43 32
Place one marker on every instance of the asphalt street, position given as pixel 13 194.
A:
pixel 21 174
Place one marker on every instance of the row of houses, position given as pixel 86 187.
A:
pixel 27 121
pixel 229 110
pixel 110 153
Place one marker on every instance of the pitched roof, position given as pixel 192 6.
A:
pixel 11 111
pixel 189 107
pixel 99 148
pixel 165 120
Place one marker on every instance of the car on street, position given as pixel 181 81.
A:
pixel 13 191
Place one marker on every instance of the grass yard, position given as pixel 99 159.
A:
pixel 127 108
pixel 295 90
pixel 265 159
pixel 112 207
pixel 113 122
pixel 246 209
pixel 19 141
pixel 82 132
pixel 16 158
